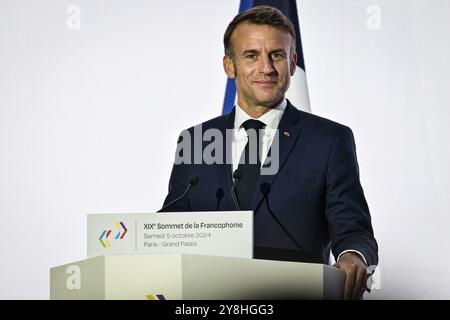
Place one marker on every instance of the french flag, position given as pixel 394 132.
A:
pixel 298 90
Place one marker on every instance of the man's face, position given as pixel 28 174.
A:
pixel 262 64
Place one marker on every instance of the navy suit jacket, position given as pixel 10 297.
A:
pixel 316 202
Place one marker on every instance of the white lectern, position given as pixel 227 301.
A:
pixel 193 277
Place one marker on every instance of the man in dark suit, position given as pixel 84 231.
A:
pixel 304 187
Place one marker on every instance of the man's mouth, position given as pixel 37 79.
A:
pixel 265 82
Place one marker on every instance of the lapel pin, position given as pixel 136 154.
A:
pixel 286 134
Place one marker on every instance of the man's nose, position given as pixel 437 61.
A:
pixel 266 65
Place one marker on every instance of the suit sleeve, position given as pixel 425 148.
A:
pixel 177 185
pixel 347 213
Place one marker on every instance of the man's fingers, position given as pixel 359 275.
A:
pixel 359 285
pixel 355 275
pixel 350 277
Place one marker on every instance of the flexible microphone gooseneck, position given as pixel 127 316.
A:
pixel 237 174
pixel 193 180
pixel 219 196
pixel 265 190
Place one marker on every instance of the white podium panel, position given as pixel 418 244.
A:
pixel 217 233
pixel 193 277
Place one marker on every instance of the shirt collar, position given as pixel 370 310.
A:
pixel 271 118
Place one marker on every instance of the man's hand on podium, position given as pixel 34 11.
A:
pixel 355 275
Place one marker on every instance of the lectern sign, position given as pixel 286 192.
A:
pixel 224 233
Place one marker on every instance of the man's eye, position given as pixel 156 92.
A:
pixel 250 56
pixel 277 56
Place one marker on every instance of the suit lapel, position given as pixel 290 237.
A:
pixel 288 131
pixel 225 170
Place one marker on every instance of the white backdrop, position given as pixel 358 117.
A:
pixel 93 94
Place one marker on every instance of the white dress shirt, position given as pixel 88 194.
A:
pixel 271 119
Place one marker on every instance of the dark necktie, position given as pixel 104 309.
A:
pixel 250 163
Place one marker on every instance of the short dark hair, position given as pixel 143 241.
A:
pixel 265 15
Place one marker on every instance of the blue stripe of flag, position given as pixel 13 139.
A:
pixel 230 91
pixel 289 8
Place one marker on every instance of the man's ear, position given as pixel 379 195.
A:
pixel 293 65
pixel 228 66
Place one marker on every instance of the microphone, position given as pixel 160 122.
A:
pixel 236 176
pixel 219 197
pixel 265 190
pixel 193 180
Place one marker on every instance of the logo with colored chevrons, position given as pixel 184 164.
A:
pixel 105 239
pixel 155 297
